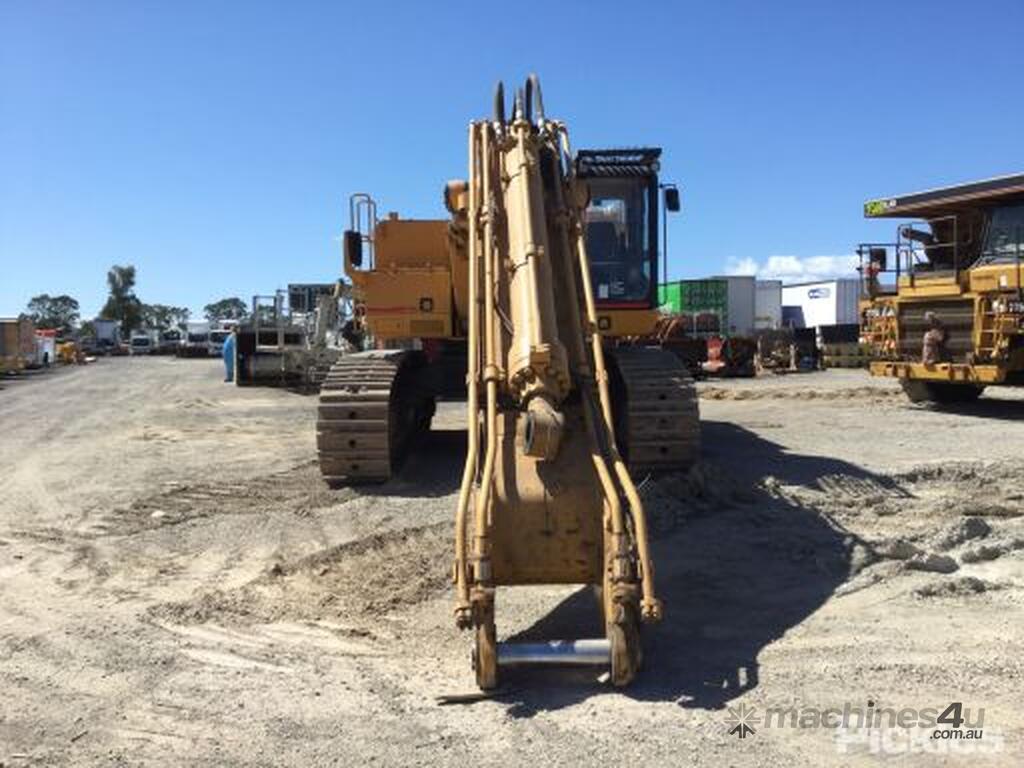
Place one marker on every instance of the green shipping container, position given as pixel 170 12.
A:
pixel 669 297
pixel 699 299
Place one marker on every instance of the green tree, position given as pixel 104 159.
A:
pixel 232 308
pixel 58 312
pixel 162 317
pixel 122 304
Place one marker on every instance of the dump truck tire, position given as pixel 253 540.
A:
pixel 940 392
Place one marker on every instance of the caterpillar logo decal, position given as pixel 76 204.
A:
pixel 877 207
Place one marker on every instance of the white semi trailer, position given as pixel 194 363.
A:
pixel 108 335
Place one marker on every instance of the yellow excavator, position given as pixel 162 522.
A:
pixel 499 299
pixel 409 284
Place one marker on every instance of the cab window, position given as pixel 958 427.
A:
pixel 617 240
pixel 1005 238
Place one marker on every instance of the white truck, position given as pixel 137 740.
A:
pixel 141 343
pixel 196 342
pixel 170 340
pixel 108 335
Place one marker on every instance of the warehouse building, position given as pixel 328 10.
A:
pixel 826 302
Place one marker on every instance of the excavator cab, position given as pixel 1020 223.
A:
pixel 622 234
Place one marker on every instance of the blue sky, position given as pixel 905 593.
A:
pixel 214 145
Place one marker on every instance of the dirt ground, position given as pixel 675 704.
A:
pixel 177 587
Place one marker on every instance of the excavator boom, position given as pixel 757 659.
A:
pixel 545 496
pixel 500 304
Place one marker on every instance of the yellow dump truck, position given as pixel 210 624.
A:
pixel 943 305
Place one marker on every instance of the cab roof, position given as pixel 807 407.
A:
pixel 625 161
pixel 945 201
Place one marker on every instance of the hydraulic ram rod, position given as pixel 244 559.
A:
pixel 582 652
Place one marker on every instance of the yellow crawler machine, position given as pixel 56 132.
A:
pixel 498 301
pixel 410 289
pixel 958 273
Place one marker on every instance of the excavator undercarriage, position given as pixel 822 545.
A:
pixel 375 405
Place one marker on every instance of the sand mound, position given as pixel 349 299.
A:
pixel 352 582
pixel 670 499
